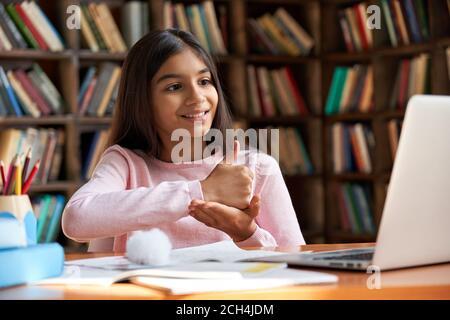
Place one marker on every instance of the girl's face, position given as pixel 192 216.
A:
pixel 182 93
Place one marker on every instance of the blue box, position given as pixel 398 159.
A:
pixel 31 263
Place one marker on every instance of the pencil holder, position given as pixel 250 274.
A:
pixel 17 221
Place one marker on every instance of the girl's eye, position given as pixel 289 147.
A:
pixel 205 82
pixel 174 87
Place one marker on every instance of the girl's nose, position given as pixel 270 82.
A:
pixel 195 97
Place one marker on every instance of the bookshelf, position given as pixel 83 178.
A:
pixel 312 194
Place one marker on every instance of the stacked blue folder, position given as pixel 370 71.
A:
pixel 21 259
pixel 26 264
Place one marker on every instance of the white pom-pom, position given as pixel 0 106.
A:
pixel 149 247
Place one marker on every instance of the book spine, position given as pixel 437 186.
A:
pixel 8 24
pixel 412 21
pixel 28 36
pixel 10 93
pixel 26 20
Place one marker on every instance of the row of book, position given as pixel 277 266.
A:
pixel 394 128
pixel 351 90
pixel 46 144
pixel 354 206
pixel 99 29
pixel 92 146
pixel 274 92
pixel 48 209
pixel 134 21
pixel 294 157
pixel 24 25
pixel 28 91
pixel 413 77
pixel 354 25
pixel 99 89
pixel 279 34
pixel 406 22
pixel 353 146
pixel 201 20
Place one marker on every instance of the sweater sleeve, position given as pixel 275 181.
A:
pixel 104 208
pixel 277 221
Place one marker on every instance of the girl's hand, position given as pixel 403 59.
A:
pixel 229 184
pixel 238 224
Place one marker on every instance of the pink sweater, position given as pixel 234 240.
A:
pixel 130 191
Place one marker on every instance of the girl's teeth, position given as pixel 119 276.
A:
pixel 198 115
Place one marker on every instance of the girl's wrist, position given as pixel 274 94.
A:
pixel 246 234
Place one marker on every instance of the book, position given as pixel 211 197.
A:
pixel 96 32
pixel 111 27
pixel 33 92
pixel 10 95
pixel 216 32
pixel 134 21
pixel 219 266
pixel 32 26
pixel 88 33
pixel 54 223
pixel 5 44
pixel 50 89
pixel 389 22
pixel 295 28
pixel 26 33
pixel 29 106
pixel 11 29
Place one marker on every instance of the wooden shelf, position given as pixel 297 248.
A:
pixel 353 176
pixel 405 50
pixel 281 120
pixel 28 54
pixel 392 114
pixel 302 176
pixel 55 186
pixel 281 2
pixel 104 55
pixel 30 121
pixel 94 120
pixel 254 58
pixel 368 56
pixel 369 116
pixel 350 116
pixel 348 57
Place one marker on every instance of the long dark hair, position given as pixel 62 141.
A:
pixel 133 125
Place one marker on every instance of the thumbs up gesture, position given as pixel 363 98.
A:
pixel 228 183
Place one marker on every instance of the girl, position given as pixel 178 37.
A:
pixel 169 82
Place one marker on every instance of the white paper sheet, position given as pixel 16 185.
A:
pixel 223 251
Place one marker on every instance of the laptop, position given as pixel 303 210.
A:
pixel 415 224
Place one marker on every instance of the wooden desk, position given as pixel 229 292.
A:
pixel 430 282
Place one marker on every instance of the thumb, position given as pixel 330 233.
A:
pixel 236 148
pixel 253 209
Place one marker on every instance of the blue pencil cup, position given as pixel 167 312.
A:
pixel 17 222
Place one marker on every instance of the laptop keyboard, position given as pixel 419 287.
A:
pixel 355 256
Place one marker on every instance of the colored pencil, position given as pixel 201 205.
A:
pixel 25 165
pixel 19 176
pixel 13 175
pixel 33 172
pixel 9 176
pixel 2 170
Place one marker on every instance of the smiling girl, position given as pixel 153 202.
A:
pixel 169 82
